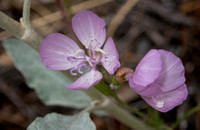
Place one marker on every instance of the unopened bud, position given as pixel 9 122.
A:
pixel 122 74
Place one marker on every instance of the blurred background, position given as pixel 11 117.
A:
pixel 136 27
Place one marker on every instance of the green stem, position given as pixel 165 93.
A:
pixel 26 14
pixel 16 29
pixel 124 116
pixel 134 110
pixel 186 115
pixel 108 75
pixel 11 26
pixel 115 111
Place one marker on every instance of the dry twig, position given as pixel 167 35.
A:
pixel 120 16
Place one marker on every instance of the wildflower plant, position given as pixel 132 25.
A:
pixel 58 52
pixel 159 78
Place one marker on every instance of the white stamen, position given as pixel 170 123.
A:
pixel 86 46
pixel 78 52
pixel 160 104
pixel 100 50
pixel 88 60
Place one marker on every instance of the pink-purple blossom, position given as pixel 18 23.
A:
pixel 59 52
pixel 159 79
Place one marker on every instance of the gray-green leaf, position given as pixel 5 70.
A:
pixel 55 121
pixel 50 85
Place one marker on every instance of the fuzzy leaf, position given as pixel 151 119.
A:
pixel 56 121
pixel 49 84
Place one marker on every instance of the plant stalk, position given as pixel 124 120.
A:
pixel 124 117
pixel 11 26
pixel 26 14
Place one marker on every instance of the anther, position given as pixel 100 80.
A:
pixel 100 50
pixel 78 52
pixel 86 46
pixel 88 60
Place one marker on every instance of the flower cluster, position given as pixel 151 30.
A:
pixel 160 80
pixel 59 52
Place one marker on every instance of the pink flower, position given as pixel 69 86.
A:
pixel 59 52
pixel 160 80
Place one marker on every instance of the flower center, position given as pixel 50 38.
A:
pixel 86 61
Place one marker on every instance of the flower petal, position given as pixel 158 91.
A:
pixel 89 28
pixel 172 74
pixel 87 80
pixel 55 49
pixel 147 91
pixel 110 60
pixel 148 69
pixel 167 101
